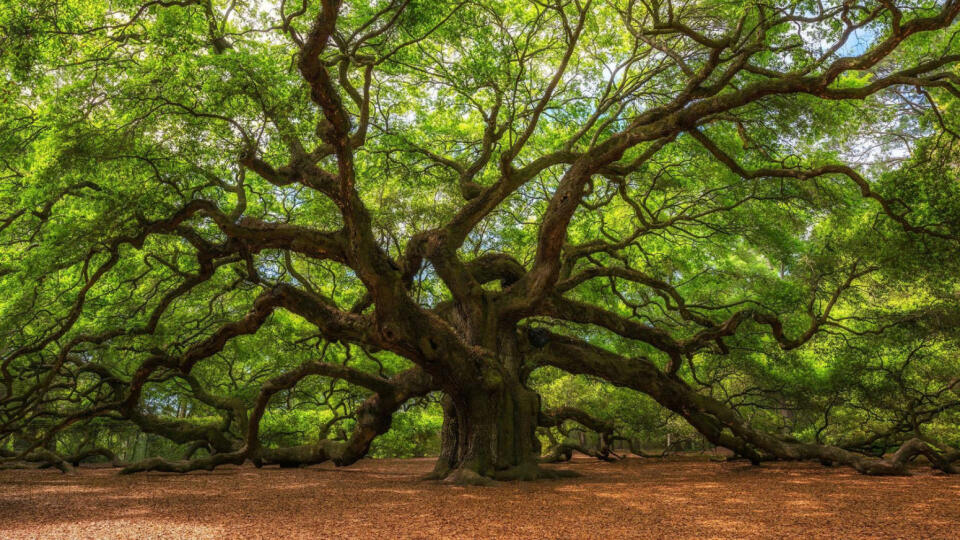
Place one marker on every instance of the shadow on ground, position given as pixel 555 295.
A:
pixel 383 498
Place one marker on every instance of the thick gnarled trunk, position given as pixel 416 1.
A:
pixel 490 433
pixel 491 419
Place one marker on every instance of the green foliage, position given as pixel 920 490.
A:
pixel 414 432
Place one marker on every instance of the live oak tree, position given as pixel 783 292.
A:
pixel 407 199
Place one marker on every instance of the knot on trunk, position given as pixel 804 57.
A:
pixel 538 337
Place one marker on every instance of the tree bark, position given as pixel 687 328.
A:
pixel 490 432
pixel 490 417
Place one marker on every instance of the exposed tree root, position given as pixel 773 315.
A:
pixel 463 476
pixel 468 477
pixel 441 470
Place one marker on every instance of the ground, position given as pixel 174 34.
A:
pixel 636 498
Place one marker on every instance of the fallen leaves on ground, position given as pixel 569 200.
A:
pixel 635 498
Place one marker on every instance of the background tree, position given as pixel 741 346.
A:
pixel 218 213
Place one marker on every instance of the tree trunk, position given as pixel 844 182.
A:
pixel 490 433
pixel 490 416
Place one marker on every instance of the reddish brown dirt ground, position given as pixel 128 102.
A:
pixel 635 498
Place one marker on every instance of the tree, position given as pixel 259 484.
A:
pixel 208 202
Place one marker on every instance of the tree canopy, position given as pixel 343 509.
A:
pixel 274 230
